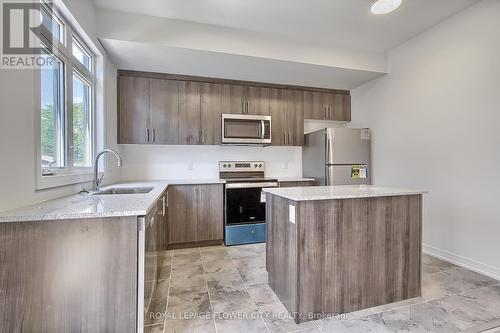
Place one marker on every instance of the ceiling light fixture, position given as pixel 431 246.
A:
pixel 380 7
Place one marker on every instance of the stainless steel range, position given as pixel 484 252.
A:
pixel 245 206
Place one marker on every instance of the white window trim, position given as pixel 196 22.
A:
pixel 75 175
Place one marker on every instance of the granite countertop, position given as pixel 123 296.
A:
pixel 338 192
pixel 96 206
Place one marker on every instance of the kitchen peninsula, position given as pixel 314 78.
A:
pixel 337 249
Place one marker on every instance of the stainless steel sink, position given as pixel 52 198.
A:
pixel 124 190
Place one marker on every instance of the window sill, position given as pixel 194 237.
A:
pixel 64 179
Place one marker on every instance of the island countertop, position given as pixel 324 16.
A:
pixel 311 193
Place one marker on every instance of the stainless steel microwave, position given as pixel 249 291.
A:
pixel 242 129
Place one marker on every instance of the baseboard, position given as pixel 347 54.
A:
pixel 473 265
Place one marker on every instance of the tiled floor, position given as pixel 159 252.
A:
pixel 224 289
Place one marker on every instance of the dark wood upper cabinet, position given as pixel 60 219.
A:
pixel 287 117
pixel 233 99
pixel 133 109
pixel 238 99
pixel 164 105
pixel 189 113
pixel 167 109
pixel 211 111
pixel 327 106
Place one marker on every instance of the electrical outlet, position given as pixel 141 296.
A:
pixel 285 165
pixel 190 165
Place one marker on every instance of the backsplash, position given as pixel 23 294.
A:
pixel 147 162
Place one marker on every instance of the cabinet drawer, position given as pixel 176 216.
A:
pixel 245 234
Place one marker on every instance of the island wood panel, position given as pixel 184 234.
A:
pixel 351 254
pixel 164 110
pixel 189 113
pixel 133 109
pixel 69 276
pixel 281 255
pixel 211 111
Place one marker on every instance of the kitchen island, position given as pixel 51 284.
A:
pixel 338 249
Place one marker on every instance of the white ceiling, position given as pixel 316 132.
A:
pixel 337 23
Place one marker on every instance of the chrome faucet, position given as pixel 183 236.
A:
pixel 97 180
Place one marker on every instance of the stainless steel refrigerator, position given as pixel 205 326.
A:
pixel 337 156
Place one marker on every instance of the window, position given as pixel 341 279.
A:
pixel 67 90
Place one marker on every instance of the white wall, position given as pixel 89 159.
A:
pixel 435 123
pixel 17 141
pixel 194 162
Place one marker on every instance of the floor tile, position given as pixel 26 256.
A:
pixel 235 301
pixel 186 259
pixel 228 282
pixel 162 289
pixel 156 311
pixel 180 270
pixel 249 325
pixel 262 295
pixel 250 262
pixel 433 317
pixel 432 264
pixel 348 326
pixel 157 328
pixel 476 280
pixel 442 284
pixel 279 320
pixel 192 283
pixel 243 251
pixel 186 252
pixel 218 266
pixel 164 272
pixel 393 321
pixel 189 305
pixel 254 276
pixel 190 326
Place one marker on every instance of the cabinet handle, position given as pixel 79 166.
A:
pixel 329 112
pixel 289 138
pixel 164 205
pixel 248 103
pixel 242 107
pixel 284 138
pixel 154 135
pixel 147 134
pixel 326 112
pixel 203 136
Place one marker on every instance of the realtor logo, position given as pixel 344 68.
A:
pixel 24 43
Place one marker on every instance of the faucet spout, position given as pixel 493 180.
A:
pixel 119 163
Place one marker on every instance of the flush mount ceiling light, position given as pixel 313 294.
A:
pixel 380 7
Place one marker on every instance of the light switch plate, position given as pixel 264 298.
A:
pixel 291 213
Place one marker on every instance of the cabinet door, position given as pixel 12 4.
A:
pixel 294 117
pixel 315 105
pixel 257 101
pixel 162 222
pixel 182 214
pixel 210 212
pixel 133 110
pixel 341 108
pixel 164 111
pixel 279 124
pixel 233 99
pixel 189 112
pixel 211 110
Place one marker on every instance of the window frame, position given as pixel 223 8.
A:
pixel 69 174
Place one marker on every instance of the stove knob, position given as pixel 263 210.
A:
pixel 229 165
pixel 260 165
pixel 255 165
pixel 224 166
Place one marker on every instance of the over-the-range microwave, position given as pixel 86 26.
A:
pixel 242 129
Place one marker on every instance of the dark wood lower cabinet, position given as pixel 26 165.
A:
pixel 297 183
pixel 69 276
pixel 195 213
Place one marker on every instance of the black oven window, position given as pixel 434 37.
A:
pixel 243 206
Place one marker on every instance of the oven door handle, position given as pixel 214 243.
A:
pixel 262 129
pixel 251 185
